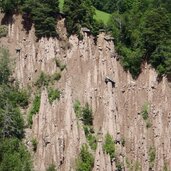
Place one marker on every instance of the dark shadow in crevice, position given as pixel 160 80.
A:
pixel 169 78
pixel 7 19
pixel 27 22
pixel 159 78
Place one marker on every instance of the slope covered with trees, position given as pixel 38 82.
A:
pixel 142 31
pixel 13 154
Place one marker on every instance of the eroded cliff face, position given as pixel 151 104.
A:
pixel 116 109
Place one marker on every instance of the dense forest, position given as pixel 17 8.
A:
pixel 13 153
pixel 142 32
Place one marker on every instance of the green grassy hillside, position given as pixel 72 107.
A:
pixel 61 4
pixel 100 15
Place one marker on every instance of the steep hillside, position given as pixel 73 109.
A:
pixel 136 113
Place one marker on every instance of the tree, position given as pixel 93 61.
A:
pixel 87 115
pixel 161 58
pixel 11 122
pixel 85 161
pixel 156 28
pixel 10 6
pixel 79 13
pixel 43 14
pixel 142 31
pixel 109 146
pixel 14 156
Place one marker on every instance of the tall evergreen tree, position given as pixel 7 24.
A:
pixel 79 13
pixel 10 6
pixel 43 14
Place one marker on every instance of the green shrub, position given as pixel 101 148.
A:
pixel 165 168
pixel 91 138
pixel 3 31
pixel 43 80
pixel 53 94
pixel 92 141
pixel 85 160
pixel 60 65
pixel 34 109
pixel 58 62
pixel 34 144
pixel 123 141
pixel 56 76
pixel 145 115
pixel 119 165
pixel 137 166
pixel 63 66
pixel 151 156
pixel 18 97
pixel 109 146
pixel 87 115
pixel 21 97
pixel 84 112
pixel 86 130
pixel 144 111
pixel 51 167
pixel 77 108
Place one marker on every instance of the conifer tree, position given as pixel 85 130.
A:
pixel 79 13
pixel 43 14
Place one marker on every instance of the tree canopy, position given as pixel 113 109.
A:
pixel 43 13
pixel 79 13
pixel 143 32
